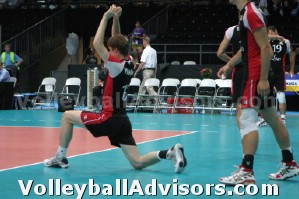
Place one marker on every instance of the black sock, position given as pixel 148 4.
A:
pixel 287 156
pixel 248 161
pixel 162 154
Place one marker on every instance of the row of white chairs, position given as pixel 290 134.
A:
pixel 174 95
pixel 47 91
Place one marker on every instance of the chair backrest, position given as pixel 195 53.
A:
pixel 218 81
pixel 175 63
pixel 225 83
pixel 135 82
pixel 152 82
pixel 49 83
pixel 188 87
pixel 73 81
pixel 170 82
pixel 189 63
pixel 225 88
pixel 169 86
pixel 208 83
pixel 134 86
pixel 207 87
pixel 189 82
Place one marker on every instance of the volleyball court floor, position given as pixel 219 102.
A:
pixel 212 146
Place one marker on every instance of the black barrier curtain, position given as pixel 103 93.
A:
pixel 185 71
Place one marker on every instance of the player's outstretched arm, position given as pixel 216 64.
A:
pixel 98 42
pixel 116 25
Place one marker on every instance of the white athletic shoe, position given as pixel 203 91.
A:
pixel 283 120
pixel 241 176
pixel 261 122
pixel 287 170
pixel 56 162
pixel 176 155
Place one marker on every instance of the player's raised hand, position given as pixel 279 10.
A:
pixel 109 13
pixel 117 11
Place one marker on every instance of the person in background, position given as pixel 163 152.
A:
pixel 12 62
pixel 4 74
pixel 137 37
pixel 281 47
pixel 90 58
pixel 232 36
pixel 98 90
pixel 148 65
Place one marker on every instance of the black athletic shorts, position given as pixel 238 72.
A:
pixel 117 127
pixel 279 81
pixel 237 77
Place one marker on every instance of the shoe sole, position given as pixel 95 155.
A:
pixel 56 165
pixel 182 162
pixel 246 182
pixel 296 174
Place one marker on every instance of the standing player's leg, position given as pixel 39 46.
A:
pixel 69 119
pixel 289 167
pixel 280 86
pixel 281 98
pixel 176 154
pixel 249 135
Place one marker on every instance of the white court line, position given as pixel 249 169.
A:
pixel 169 124
pixel 187 124
pixel 27 120
pixel 83 154
pixel 204 125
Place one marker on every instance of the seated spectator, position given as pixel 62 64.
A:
pixel 90 58
pixel 98 90
pixel 4 74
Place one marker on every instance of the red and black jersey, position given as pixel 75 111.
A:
pixel 251 19
pixel 280 49
pixel 120 73
pixel 233 35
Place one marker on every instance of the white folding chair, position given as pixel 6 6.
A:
pixel 71 90
pixel 167 93
pixel 223 96
pixel 185 97
pixel 151 82
pixel 47 90
pixel 203 100
pixel 132 93
pixel 189 63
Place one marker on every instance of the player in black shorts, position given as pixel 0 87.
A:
pixel 113 120
pixel 281 47
pixel 232 36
